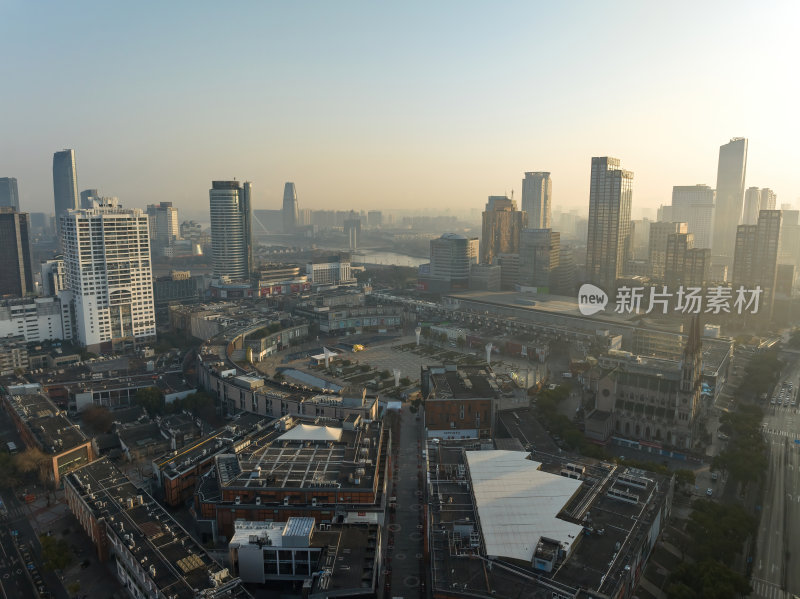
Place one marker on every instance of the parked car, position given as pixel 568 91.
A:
pixel 709 491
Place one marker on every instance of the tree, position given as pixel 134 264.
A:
pixel 34 461
pixel 708 579
pixel 56 553
pixel 9 473
pixel 151 399
pixel 794 339
pixel 385 374
pixel 405 381
pixel 718 530
pixel 684 477
pixel 97 419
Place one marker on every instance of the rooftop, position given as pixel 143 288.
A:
pixel 52 429
pixel 178 566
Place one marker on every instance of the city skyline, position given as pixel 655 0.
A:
pixel 343 107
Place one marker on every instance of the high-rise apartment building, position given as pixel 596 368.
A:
pixel 539 254
pixel 537 190
pixel 231 229
pixel 609 231
pixel 65 183
pixel 9 193
pixel 16 275
pixel 694 205
pixel 731 172
pixel 164 226
pixel 756 257
pixel 657 252
pixel 567 272
pixel 52 277
pixel 678 246
pixel 452 256
pixel 290 208
pixel 502 224
pixel 108 276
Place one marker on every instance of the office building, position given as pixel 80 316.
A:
pixel 330 270
pixel 164 227
pixel 290 208
pixel 452 256
pixel 696 268
pixel 9 193
pixel 16 275
pixel 65 183
pixel 41 223
pixel 785 279
pixel 539 252
pixel 694 205
pixel 657 252
pixel 768 199
pixel 35 318
pixel 52 276
pixel 752 206
pixel 640 235
pixel 567 271
pixel 502 224
pixel 231 230
pixel 756 257
pixel 678 246
pixel 109 280
pixel 88 196
pixel 664 214
pixel 731 172
pixel 374 218
pixel 609 231
pixel 537 190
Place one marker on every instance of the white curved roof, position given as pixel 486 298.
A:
pixel 309 432
pixel 518 503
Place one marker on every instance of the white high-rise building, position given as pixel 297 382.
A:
pixel 164 226
pixel 731 171
pixel 108 277
pixel 694 205
pixel 537 191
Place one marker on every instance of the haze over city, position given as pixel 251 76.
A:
pixel 411 105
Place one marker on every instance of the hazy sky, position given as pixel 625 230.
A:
pixel 394 105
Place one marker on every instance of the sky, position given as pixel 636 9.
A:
pixel 403 105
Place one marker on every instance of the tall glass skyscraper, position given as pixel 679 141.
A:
pixel 16 275
pixel 291 214
pixel 609 233
pixel 537 189
pixel 730 197
pixel 9 194
pixel 65 183
pixel 231 229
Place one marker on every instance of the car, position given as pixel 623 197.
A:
pixel 709 491
pixel 714 475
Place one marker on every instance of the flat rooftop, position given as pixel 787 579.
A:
pixel 467 382
pixel 54 431
pixel 175 562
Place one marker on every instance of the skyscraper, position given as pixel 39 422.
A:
pixel 290 208
pixel 609 230
pixel 768 199
pixel 537 189
pixel 164 226
pixel 16 276
pixel 752 206
pixel 231 229
pixel 730 197
pixel 694 205
pixel 65 183
pixel 352 229
pixel 502 224
pixel 452 255
pixel 697 267
pixel 678 246
pixel 539 253
pixel 108 277
pixel 9 193
pixel 86 197
pixel 657 248
pixel 756 257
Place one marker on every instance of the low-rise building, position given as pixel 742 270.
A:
pixel 153 556
pixel 13 354
pixel 43 426
pixel 460 400
pixel 300 550
pixel 334 471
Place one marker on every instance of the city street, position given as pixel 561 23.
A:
pixel 772 576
